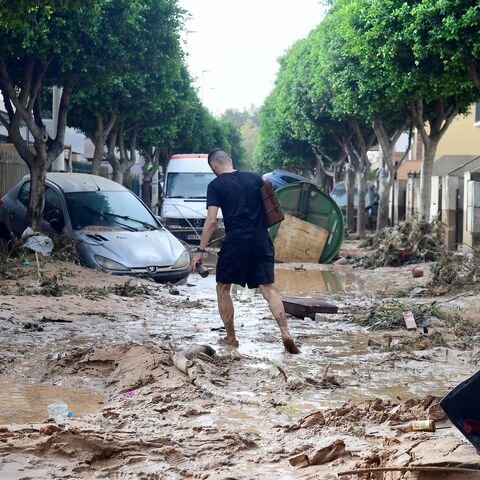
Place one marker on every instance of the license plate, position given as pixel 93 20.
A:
pixel 193 237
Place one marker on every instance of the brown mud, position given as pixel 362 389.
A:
pixel 107 350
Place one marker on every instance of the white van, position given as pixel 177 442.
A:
pixel 185 193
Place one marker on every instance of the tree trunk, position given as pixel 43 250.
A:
pixel 147 192
pixel 127 177
pixel 117 172
pixel 350 186
pixel 38 174
pixel 385 181
pixel 426 179
pixel 99 143
pixel 361 211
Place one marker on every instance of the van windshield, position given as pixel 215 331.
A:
pixel 188 185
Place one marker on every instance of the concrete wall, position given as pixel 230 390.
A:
pixel 413 198
pixel 471 211
pixel 461 138
pixel 450 215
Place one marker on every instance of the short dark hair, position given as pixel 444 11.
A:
pixel 218 155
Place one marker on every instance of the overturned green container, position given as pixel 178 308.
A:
pixel 308 202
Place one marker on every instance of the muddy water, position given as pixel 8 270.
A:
pixel 24 403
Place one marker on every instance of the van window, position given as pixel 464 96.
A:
pixel 188 185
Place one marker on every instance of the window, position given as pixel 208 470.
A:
pixel 53 207
pixel 113 210
pixel 188 185
pixel 24 194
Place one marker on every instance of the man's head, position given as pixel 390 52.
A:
pixel 219 161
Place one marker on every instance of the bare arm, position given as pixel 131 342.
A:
pixel 208 229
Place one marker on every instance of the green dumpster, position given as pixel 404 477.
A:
pixel 311 204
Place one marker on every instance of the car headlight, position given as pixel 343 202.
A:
pixel 109 264
pixel 183 260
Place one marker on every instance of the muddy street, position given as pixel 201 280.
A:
pixel 109 348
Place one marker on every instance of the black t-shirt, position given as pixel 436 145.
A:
pixel 238 195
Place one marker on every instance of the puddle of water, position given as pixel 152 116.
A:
pixel 25 403
pixel 306 282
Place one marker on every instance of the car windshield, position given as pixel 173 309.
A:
pixel 339 194
pixel 109 209
pixel 188 185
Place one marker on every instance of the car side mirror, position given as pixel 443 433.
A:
pixel 57 224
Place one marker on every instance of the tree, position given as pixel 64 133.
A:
pixel 143 92
pixel 40 48
pixel 409 72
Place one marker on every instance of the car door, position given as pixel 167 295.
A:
pixel 53 218
pixel 18 217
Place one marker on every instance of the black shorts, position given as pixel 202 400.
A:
pixel 250 263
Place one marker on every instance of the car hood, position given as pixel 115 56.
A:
pixel 134 249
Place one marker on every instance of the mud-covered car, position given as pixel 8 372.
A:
pixel 113 229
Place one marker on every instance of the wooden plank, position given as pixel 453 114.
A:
pixel 307 307
pixel 299 241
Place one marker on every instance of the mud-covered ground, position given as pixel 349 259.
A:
pixel 105 347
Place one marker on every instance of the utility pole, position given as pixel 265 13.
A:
pixel 187 33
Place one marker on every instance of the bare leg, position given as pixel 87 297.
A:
pixel 225 308
pixel 276 307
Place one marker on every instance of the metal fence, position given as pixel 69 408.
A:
pixel 12 168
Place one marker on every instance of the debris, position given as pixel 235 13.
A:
pixel 26 263
pixel 59 412
pixel 319 456
pixel 390 316
pixel 174 291
pixel 327 454
pixel 129 289
pixel 307 307
pixel 410 322
pixel 37 242
pixel 417 426
pixel 300 460
pixel 455 272
pixel 407 242
pixel 417 272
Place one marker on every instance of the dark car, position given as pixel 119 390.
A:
pixel 114 230
pixel 280 178
pixel 339 194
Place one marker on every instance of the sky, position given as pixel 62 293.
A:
pixel 232 46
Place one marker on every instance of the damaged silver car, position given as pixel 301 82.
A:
pixel 114 230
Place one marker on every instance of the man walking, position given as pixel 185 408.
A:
pixel 247 255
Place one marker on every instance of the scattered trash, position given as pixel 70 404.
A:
pixel 130 289
pixel 59 412
pixel 405 243
pixel 417 426
pixel 417 272
pixel 390 316
pixel 174 291
pixel 454 272
pixel 410 322
pixel 92 351
pixel 37 242
pixel 307 307
pixel 26 263
pixel 129 394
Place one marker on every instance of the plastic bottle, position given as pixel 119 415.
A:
pixel 417 426
pixel 59 412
